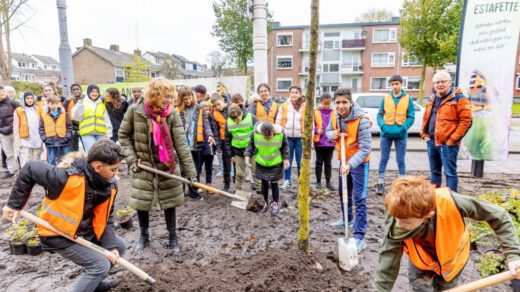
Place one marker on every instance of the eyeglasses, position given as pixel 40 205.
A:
pixel 441 81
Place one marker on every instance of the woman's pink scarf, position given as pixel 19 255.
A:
pixel 161 136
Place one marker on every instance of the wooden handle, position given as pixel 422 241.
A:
pixel 486 282
pixel 81 241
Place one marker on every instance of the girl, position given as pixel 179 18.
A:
pixel 27 141
pixel 322 145
pixel 55 130
pixel 116 109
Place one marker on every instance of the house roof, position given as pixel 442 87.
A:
pixel 117 59
pixel 17 70
pixel 46 60
pixel 181 58
pixel 23 58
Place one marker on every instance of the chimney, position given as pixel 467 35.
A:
pixel 87 42
pixel 137 53
pixel 114 48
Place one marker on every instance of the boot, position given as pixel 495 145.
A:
pixel 144 237
pixel 106 285
pixel 331 187
pixel 169 215
pixel 226 187
pixel 380 189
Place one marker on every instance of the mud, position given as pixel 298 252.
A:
pixel 229 249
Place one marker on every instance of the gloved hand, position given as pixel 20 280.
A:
pixel 193 180
pixel 134 168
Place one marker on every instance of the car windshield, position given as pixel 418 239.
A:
pixel 370 101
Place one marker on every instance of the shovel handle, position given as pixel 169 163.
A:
pixel 81 241
pixel 344 188
pixel 486 282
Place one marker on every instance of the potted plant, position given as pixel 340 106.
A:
pixel 124 217
pixel 34 246
pixel 17 235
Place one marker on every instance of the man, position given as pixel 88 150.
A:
pixel 137 93
pixel 7 109
pixel 396 115
pixel 69 104
pixel 446 120
pixel 85 192
pixel 428 225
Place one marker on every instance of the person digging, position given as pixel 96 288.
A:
pixel 79 199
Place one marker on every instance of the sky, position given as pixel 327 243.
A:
pixel 173 26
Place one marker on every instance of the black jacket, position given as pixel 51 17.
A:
pixel 53 180
pixel 57 141
pixel 7 108
pixel 116 117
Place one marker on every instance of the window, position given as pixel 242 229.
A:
pixel 21 64
pixel 330 45
pixel 330 67
pixel 369 101
pixel 331 34
pixel 411 83
pixel 45 67
pixel 407 60
pixel 283 84
pixel 379 83
pixel 284 62
pixel 518 83
pixel 284 40
pixel 383 59
pixel 384 35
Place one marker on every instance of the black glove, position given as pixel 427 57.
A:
pixel 193 180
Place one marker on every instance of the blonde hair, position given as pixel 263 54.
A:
pixel 410 197
pixel 156 88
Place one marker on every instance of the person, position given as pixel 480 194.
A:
pixel 93 119
pixel 291 119
pixel 322 145
pixel 268 145
pixel 395 116
pixel 68 104
pixel 207 150
pixel 137 93
pixel 116 109
pixel 153 133
pixel 238 99
pixel 201 93
pixel 428 225
pixel 263 106
pixel 11 92
pixel 26 130
pixel 447 118
pixel 350 122
pixel 7 109
pixel 84 189
pixel 224 92
pixel 220 116
pixel 49 90
pixel 55 130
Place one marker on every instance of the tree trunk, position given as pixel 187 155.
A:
pixel 305 172
pixel 421 84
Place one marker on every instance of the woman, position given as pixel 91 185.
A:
pixel 94 122
pixel 156 147
pixel 263 106
pixel 116 109
pixel 27 141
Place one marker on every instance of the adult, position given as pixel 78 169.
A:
pixel 93 119
pixel 446 120
pixel 116 109
pixel 7 109
pixel 201 93
pixel 11 92
pixel 26 122
pixel 395 116
pixel 49 90
pixel 68 104
pixel 263 106
pixel 137 93
pixel 153 133
pixel 322 145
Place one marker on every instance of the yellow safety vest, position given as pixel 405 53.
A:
pixel 93 121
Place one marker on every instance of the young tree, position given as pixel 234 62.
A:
pixel 217 61
pixel 170 68
pixel 430 32
pixel 308 125
pixel 138 71
pixel 375 15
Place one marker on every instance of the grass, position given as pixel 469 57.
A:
pixel 516 109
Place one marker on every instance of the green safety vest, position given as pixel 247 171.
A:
pixel 241 132
pixel 93 121
pixel 269 153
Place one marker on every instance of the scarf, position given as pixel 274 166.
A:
pixel 161 136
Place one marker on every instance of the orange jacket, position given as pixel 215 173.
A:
pixel 453 119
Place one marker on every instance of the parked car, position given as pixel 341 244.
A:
pixel 370 103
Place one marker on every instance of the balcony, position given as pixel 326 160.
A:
pixel 351 69
pixel 353 44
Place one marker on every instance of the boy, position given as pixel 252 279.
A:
pixel 428 225
pixel 220 115
pixel 324 147
pixel 86 192
pixel 55 130
pixel 350 122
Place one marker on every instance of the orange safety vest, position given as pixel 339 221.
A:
pixel 285 109
pixel 452 242
pixel 22 118
pixel 395 113
pixel 70 107
pixel 55 128
pixel 65 212
pixel 318 122
pixel 262 116
pixel 221 120
pixel 200 126
pixel 351 144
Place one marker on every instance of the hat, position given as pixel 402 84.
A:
pixel 200 89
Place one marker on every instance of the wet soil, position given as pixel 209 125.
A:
pixel 229 249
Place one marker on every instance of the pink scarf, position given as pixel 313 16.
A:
pixel 161 136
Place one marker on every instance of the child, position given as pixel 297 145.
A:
pixel 220 115
pixel 207 150
pixel 269 146
pixel 350 123
pixel 322 145
pixel 428 225
pixel 55 130
pixel 26 126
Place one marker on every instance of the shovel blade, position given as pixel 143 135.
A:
pixel 239 204
pixel 348 257
pixel 244 196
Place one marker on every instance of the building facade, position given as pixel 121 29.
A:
pixel 35 68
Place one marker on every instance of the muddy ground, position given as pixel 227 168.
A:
pixel 228 249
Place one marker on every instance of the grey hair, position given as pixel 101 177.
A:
pixel 441 74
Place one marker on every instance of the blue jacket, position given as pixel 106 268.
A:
pixel 395 131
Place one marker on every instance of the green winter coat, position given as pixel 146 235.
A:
pixel 137 141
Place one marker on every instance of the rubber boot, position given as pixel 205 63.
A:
pixel 170 217
pixel 144 237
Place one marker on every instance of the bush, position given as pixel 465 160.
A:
pixel 22 86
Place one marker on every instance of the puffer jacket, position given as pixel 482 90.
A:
pixel 136 140
pixel 7 108
pixel 293 126
pixel 453 120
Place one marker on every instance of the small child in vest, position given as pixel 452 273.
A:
pixel 220 115
pixel 269 146
pixel 238 99
pixel 349 123
pixel 55 130
pixel 428 225
pixel 207 150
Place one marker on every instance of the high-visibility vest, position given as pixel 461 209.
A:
pixel 395 113
pixel 351 144
pixel 93 121
pixel 66 211
pixel 69 108
pixel 262 116
pixel 241 132
pixel 452 242
pixel 23 124
pixel 221 121
pixel 199 131
pixel 55 128
pixel 283 120
pixel 318 122
pixel 269 153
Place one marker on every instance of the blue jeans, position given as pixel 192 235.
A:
pixel 357 183
pixel 295 147
pixel 443 157
pixel 89 140
pixel 56 153
pixel 400 151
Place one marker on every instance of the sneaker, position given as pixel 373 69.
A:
pixel 317 186
pixel 265 208
pixel 351 224
pixel 286 184
pixel 196 197
pixel 338 224
pixel 106 285
pixel 360 245
pixel 331 187
pixel 7 175
pixel 275 208
pixel 380 189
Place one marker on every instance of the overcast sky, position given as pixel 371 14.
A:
pixel 174 26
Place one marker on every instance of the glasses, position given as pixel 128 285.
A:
pixel 441 81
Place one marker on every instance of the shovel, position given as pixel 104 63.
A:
pixel 347 251
pixel 81 241
pixel 241 198
pixel 486 282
